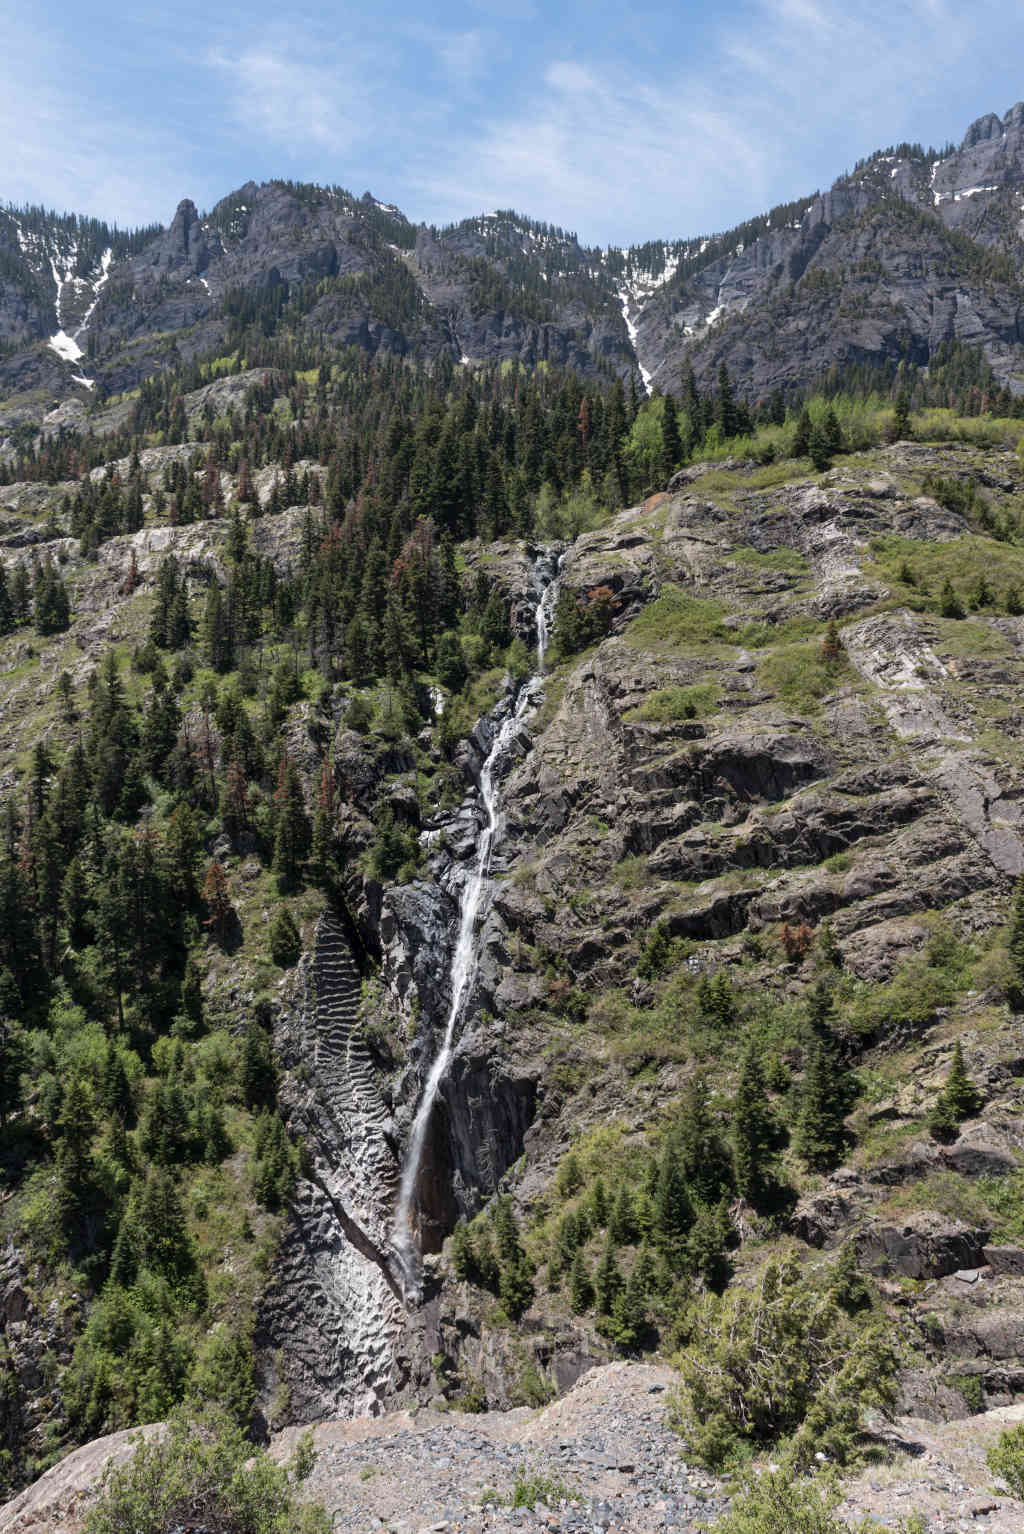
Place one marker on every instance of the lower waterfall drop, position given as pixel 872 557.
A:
pixel 465 956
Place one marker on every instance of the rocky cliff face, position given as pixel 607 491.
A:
pixel 699 771
pixel 875 268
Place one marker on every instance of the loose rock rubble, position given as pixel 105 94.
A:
pixel 612 1465
pixel 604 1456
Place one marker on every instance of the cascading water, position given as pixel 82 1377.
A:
pixel 465 956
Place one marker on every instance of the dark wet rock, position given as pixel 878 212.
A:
pixel 924 1245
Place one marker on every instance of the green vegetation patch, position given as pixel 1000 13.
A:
pixel 760 634
pixel 982 571
pixel 677 621
pixel 672 703
pixel 205 1472
pixel 786 560
pixel 800 676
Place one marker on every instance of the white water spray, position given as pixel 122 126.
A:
pixel 465 957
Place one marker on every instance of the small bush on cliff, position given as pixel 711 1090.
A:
pixel 776 1504
pixel 202 1474
pixel 783 1361
pixel 1006 1458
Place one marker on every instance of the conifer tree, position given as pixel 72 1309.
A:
pixel 754 1129
pixel 217 901
pixel 218 640
pixel 833 433
pixel 569 1178
pixel 629 1313
pixel 581 1290
pixel 900 429
pixel 506 1230
pixel 821 1009
pixel 704 1159
pixel 621 1223
pixel 950 605
pixel 671 444
pixel 958 1100
pixel 322 842
pixel 76 1124
pixel 567 1239
pixel 463 1253
pixel 12 1064
pixel 821 1134
pixel 52 607
pixel 802 434
pixel 488 1270
pixel 848 1287
pixel 607 1280
pixel 7 619
pixel 515 1286
pixel 597 1202
pixel 258 1068
pixel 1016 946
pixel 273 1169
pixel 285 942
pixel 831 646
pixel 818 448
pixel 723 1005
pixel 645 1269
pixel 291 838
pixel 708 1246
pixel 673 1211
pixel 726 416
pixel 693 405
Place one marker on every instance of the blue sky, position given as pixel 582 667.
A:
pixel 622 124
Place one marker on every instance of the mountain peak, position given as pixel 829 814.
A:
pixel 987 127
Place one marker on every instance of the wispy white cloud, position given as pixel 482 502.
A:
pixel 88 161
pixel 764 112
pixel 618 130
pixel 594 150
pixel 460 56
pixel 281 89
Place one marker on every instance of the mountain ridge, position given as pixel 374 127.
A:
pixel 911 248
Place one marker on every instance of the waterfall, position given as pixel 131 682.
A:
pixel 464 959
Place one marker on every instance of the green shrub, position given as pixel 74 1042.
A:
pixel 669 704
pixel 971 1388
pixel 782 1361
pixel 774 1503
pixel 472 1400
pixel 800 676
pixel 1006 1458
pixel 202 1473
pixel 675 620
pixel 222 1375
pixel 777 1504
pixel 531 1487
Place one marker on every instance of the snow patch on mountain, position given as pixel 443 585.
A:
pixel 97 287
pixel 65 346
pixel 625 299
